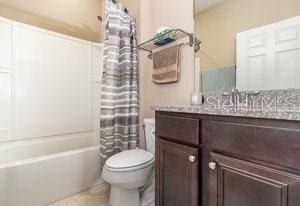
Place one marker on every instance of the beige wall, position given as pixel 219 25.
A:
pixel 176 14
pixel 217 26
pixel 72 17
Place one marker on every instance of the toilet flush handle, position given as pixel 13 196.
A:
pixel 153 131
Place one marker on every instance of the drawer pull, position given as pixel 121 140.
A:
pixel 212 165
pixel 192 158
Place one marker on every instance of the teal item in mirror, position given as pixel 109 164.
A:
pixel 164 37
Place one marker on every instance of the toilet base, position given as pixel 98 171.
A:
pixel 124 197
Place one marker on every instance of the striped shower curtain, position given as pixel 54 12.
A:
pixel 119 97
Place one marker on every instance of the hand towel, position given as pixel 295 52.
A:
pixel 166 65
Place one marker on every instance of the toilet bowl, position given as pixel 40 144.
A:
pixel 129 171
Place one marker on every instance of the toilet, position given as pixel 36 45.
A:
pixel 129 171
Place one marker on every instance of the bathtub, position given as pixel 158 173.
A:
pixel 38 172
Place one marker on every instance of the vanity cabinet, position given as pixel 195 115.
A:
pixel 177 174
pixel 235 183
pixel 177 161
pixel 212 160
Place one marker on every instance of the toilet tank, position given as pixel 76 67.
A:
pixel 150 134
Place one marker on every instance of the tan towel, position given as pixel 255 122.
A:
pixel 166 65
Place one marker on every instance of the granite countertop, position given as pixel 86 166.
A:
pixel 271 104
pixel 269 113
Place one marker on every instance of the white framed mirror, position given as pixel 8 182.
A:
pixel 248 44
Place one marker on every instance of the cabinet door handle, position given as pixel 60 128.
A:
pixel 192 158
pixel 212 165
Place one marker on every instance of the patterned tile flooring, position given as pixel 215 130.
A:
pixel 96 196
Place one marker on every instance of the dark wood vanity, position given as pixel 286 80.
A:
pixel 226 161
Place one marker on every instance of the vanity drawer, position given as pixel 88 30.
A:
pixel 179 129
pixel 272 145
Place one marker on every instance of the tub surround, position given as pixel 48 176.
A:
pixel 275 104
pixel 69 165
pixel 49 127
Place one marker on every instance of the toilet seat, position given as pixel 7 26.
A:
pixel 130 160
pixel 130 171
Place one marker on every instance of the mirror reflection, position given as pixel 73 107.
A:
pixel 248 44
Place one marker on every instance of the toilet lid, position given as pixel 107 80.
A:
pixel 130 158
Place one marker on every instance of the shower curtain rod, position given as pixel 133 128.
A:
pixel 115 2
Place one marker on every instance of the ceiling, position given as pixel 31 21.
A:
pixel 201 5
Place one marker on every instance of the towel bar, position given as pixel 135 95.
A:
pixel 150 45
pixel 181 44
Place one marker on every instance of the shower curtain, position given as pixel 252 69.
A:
pixel 119 98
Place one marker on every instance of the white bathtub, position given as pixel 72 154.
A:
pixel 38 172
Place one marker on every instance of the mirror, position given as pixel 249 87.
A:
pixel 248 44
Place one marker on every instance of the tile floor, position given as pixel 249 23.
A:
pixel 96 196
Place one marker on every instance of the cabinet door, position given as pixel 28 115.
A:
pixel 235 183
pixel 177 176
